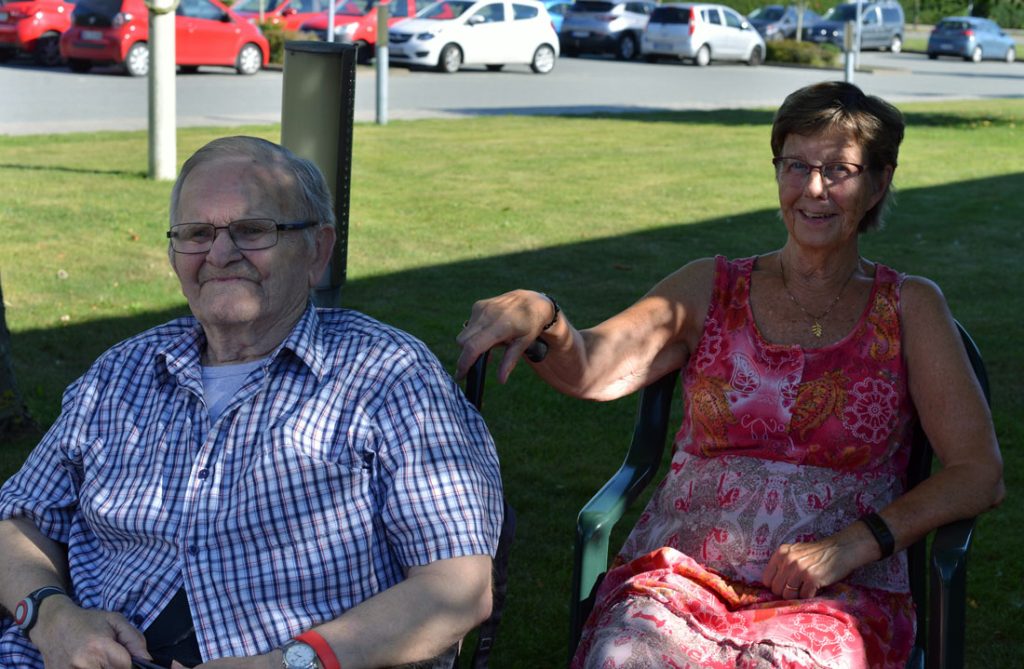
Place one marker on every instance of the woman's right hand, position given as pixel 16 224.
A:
pixel 513 320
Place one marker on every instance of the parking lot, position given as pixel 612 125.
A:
pixel 39 100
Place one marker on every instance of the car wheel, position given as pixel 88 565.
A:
pixel 250 59
pixel 494 68
pixel 756 57
pixel 48 50
pixel 933 56
pixel 136 63
pixel 451 59
pixel 543 59
pixel 896 45
pixel 1011 55
pixel 79 65
pixel 975 56
pixel 703 56
pixel 626 48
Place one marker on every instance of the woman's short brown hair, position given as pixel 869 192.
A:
pixel 836 106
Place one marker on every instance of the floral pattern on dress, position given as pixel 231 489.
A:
pixel 778 444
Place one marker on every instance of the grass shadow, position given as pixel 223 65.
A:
pixel 556 451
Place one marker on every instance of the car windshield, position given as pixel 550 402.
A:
pixel 354 7
pixel 670 15
pixel 768 13
pixel 842 13
pixel 446 10
pixel 254 5
pixel 104 8
pixel 592 6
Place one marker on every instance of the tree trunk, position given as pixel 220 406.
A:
pixel 13 412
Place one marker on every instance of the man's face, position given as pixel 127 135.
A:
pixel 259 291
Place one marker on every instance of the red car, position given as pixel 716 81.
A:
pixel 355 22
pixel 289 14
pixel 34 27
pixel 206 33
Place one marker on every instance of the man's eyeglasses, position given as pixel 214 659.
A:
pixel 795 172
pixel 248 234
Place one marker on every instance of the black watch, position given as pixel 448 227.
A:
pixel 26 613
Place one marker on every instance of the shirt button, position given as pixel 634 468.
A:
pixel 193 550
pixel 203 473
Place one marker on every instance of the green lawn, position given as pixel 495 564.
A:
pixel 592 210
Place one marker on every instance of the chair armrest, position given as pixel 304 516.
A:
pixel 596 520
pixel 948 594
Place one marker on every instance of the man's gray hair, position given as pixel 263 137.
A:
pixel 308 197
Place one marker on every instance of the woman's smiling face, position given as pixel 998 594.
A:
pixel 820 214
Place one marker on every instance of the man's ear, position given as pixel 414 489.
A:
pixel 323 246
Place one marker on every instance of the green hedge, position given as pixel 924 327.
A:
pixel 1007 13
pixel 803 53
pixel 277 36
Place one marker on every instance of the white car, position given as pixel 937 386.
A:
pixel 702 33
pixel 452 33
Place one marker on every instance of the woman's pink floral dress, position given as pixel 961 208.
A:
pixel 778 444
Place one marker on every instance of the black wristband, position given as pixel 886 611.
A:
pixel 554 319
pixel 881 532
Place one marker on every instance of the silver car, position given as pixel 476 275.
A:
pixel 701 33
pixel 605 26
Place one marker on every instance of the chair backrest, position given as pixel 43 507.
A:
pixel 945 631
pixel 487 631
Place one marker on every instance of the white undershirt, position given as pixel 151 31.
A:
pixel 222 382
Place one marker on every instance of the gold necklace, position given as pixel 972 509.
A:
pixel 816 327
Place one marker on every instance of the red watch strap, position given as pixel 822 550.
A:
pixel 323 650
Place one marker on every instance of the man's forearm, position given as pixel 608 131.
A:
pixel 31 560
pixel 419 618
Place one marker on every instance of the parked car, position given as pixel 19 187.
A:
pixel 34 27
pixel 776 22
pixel 452 33
pixel 557 9
pixel 206 33
pixel 605 26
pixel 882 25
pixel 972 38
pixel 355 22
pixel 701 33
pixel 289 14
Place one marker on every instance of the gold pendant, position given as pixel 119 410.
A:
pixel 816 329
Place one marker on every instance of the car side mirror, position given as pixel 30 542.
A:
pixel 289 11
pixel 475 20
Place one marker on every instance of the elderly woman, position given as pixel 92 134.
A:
pixel 776 537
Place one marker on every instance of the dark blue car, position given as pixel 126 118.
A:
pixel 971 38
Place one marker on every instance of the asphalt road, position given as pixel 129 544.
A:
pixel 39 100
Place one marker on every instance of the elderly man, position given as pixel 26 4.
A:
pixel 266 483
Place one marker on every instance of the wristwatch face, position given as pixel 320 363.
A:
pixel 298 655
pixel 23 613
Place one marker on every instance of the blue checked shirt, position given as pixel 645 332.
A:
pixel 349 456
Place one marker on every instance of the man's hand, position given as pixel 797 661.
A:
pixel 70 637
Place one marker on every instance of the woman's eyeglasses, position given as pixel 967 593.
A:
pixel 795 172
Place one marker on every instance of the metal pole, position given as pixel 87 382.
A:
pixel 330 20
pixel 860 25
pixel 848 40
pixel 163 159
pixel 382 58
